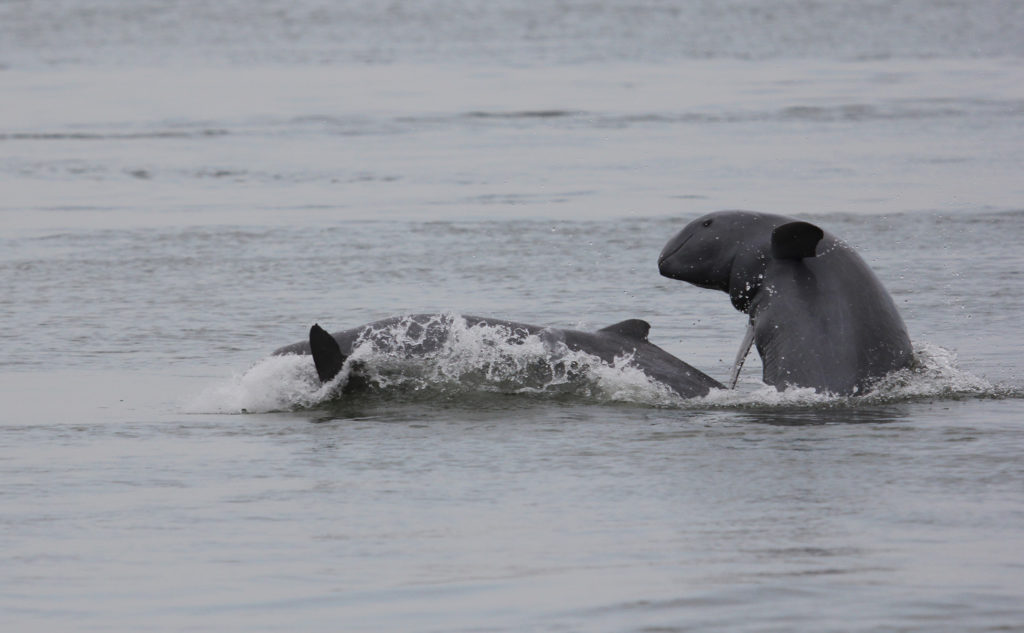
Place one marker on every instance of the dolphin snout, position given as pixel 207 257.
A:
pixel 666 265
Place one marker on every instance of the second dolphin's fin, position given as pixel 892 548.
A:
pixel 327 355
pixel 630 328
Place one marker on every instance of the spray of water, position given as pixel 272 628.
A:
pixel 450 358
pixel 935 373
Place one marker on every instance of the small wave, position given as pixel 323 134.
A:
pixel 523 114
pixel 103 136
pixel 917 109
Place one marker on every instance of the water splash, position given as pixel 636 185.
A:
pixel 935 374
pixel 450 359
pixel 276 383
pixel 442 356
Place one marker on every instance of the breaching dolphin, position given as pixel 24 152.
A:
pixel 418 335
pixel 819 316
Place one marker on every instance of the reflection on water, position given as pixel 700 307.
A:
pixel 842 414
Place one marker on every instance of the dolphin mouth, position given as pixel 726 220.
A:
pixel 664 256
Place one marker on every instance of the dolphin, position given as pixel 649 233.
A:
pixel 417 335
pixel 817 313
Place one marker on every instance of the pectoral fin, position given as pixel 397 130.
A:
pixel 741 355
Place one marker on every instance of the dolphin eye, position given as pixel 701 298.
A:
pixel 707 223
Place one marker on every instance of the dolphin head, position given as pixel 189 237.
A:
pixel 724 250
pixel 703 252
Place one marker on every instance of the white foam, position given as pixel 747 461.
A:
pixel 498 358
pixel 935 374
pixel 766 396
pixel 623 382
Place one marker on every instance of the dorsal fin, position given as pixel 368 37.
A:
pixel 795 240
pixel 327 354
pixel 630 328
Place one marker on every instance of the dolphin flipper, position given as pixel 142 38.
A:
pixel 741 355
pixel 327 355
pixel 795 240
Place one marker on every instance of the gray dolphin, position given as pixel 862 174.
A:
pixel 417 335
pixel 818 314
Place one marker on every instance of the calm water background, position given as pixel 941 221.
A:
pixel 187 186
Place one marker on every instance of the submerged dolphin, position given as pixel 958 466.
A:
pixel 818 314
pixel 419 334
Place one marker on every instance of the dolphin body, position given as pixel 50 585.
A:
pixel 420 334
pixel 817 313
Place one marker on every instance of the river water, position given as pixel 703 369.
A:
pixel 187 187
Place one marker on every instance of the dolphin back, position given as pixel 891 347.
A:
pixel 826 321
pixel 418 335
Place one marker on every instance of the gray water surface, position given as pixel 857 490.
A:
pixel 187 188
